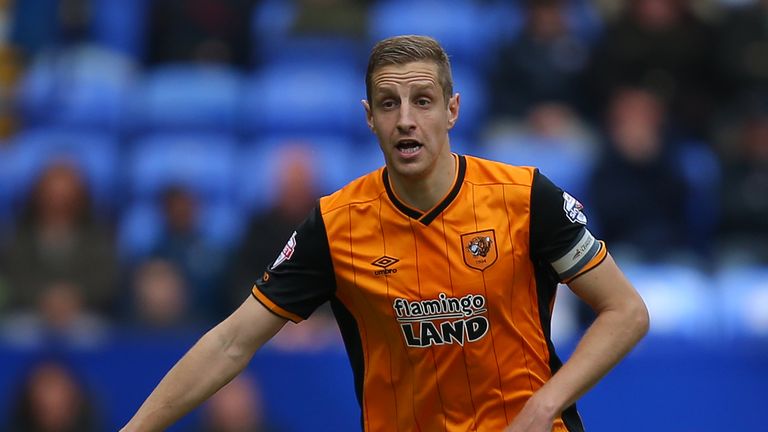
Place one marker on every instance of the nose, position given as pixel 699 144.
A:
pixel 405 120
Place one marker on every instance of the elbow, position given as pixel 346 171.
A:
pixel 640 318
pixel 226 343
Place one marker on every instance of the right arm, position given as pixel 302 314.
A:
pixel 213 361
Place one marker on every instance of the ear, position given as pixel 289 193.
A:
pixel 453 110
pixel 368 115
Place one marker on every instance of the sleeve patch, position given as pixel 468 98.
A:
pixel 573 209
pixel 578 256
pixel 286 253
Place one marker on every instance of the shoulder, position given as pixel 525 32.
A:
pixel 361 190
pixel 484 171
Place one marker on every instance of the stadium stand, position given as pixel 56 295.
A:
pixel 187 97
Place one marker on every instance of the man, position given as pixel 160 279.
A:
pixel 441 270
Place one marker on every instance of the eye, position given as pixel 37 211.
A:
pixel 423 102
pixel 387 104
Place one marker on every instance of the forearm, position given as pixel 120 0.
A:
pixel 622 320
pixel 606 342
pixel 207 366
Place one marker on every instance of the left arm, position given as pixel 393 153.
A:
pixel 622 320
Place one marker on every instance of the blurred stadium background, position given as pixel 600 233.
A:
pixel 154 155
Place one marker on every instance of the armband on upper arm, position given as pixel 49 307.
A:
pixel 585 253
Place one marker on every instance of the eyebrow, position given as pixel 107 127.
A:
pixel 388 89
pixel 422 87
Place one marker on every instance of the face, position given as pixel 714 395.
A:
pixel 411 119
pixel 61 194
pixel 55 397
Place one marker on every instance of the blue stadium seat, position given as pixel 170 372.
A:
pixel 120 25
pixel 566 165
pixel 204 163
pixel 466 29
pixel 141 226
pixel 85 87
pixel 473 103
pixel 183 97
pixel 365 157
pixel 5 180
pixel 32 25
pixel 701 168
pixel 271 19
pixel 276 42
pixel 305 98
pixel 288 50
pixel 96 154
pixel 744 298
pixel 584 19
pixel 260 160
pixel 504 19
pixel 681 300
pixel 222 224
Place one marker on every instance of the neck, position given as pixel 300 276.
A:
pixel 423 193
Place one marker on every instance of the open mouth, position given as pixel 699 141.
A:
pixel 408 146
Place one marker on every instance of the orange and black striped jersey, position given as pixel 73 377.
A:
pixel 445 314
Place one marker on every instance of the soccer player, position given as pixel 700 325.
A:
pixel 441 270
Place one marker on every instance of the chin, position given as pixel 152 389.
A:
pixel 409 170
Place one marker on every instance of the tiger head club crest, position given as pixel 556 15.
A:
pixel 479 249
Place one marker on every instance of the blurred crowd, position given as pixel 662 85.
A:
pixel 653 112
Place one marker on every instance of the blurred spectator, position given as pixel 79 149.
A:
pixel 661 45
pixel 237 407
pixel 10 69
pixel 9 73
pixel 637 193
pixel 744 230
pixel 544 64
pixel 215 31
pixel 59 317
pixel 552 138
pixel 266 236
pixel 160 297
pixel 183 244
pixel 550 124
pixel 58 239
pixel 268 232
pixel 743 51
pixel 53 399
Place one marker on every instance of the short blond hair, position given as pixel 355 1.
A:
pixel 399 50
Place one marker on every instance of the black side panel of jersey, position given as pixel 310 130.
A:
pixel 354 345
pixel 306 280
pixel 546 286
pixel 551 234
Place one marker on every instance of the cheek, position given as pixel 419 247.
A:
pixel 438 122
pixel 382 125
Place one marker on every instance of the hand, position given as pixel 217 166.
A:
pixel 532 418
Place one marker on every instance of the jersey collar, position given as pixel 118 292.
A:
pixel 427 217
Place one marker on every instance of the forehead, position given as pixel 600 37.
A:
pixel 420 73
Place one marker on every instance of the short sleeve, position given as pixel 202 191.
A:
pixel 301 277
pixel 559 234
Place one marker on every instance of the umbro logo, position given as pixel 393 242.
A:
pixel 384 262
